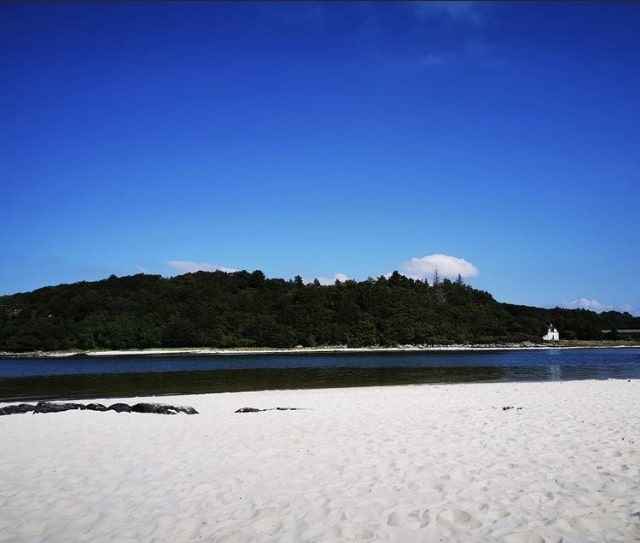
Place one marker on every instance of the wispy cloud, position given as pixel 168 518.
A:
pixel 483 52
pixel 312 11
pixel 478 52
pixel 330 281
pixel 288 13
pixel 425 61
pixel 435 59
pixel 467 26
pixel 183 266
pixel 446 265
pixel 468 12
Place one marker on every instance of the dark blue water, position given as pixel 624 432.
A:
pixel 90 377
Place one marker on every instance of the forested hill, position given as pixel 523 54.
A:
pixel 243 309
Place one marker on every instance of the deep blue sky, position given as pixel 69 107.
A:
pixel 325 139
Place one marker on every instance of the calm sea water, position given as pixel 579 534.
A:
pixel 89 377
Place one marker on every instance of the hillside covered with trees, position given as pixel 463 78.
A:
pixel 246 309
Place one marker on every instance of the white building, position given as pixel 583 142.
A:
pixel 552 334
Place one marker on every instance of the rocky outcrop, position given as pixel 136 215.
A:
pixel 58 407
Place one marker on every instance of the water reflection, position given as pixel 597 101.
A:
pixel 200 382
pixel 28 380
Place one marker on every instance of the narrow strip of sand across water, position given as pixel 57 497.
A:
pixel 512 462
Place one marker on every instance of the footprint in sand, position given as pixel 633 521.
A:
pixel 457 520
pixel 268 521
pixel 588 524
pixel 524 537
pixel 415 520
pixel 354 533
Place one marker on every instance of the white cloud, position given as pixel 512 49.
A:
pixel 593 305
pixel 447 266
pixel 586 303
pixel 330 281
pixel 598 307
pixel 182 266
pixel 628 308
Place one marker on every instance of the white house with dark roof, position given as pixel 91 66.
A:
pixel 552 334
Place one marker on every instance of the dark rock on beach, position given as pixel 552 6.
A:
pixel 162 409
pixel 248 410
pixel 57 407
pixel 120 408
pixel 96 407
pixel 256 410
pixel 14 409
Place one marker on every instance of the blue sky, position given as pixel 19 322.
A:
pixel 495 140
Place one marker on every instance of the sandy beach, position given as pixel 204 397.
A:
pixel 512 462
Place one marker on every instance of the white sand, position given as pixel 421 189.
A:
pixel 413 463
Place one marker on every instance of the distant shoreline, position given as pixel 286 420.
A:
pixel 336 349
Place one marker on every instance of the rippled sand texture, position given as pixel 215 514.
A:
pixel 512 462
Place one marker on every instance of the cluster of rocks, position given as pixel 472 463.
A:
pixel 57 407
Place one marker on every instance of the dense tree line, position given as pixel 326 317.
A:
pixel 246 309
